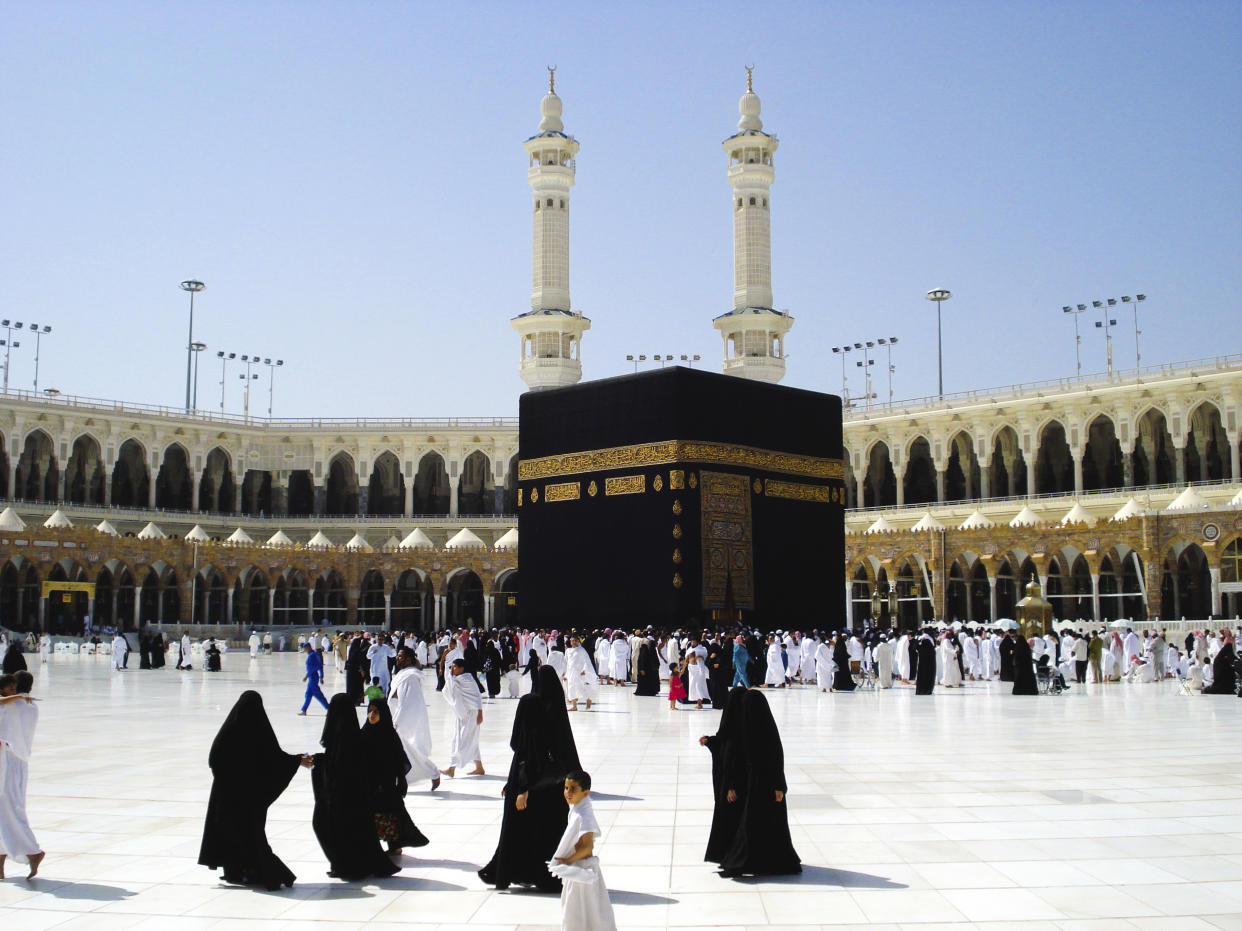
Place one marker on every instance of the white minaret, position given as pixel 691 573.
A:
pixel 753 332
pixel 551 332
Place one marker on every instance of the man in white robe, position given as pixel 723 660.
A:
pixel 463 695
pixel 696 675
pixel 855 649
pixel 620 659
pixel 774 675
pixel 950 674
pixel 45 647
pixel 378 653
pixel 256 643
pixel 903 658
pixel 636 644
pixel 603 659
pixel 184 661
pixel 793 655
pixel 1130 646
pixel 119 651
pixel 672 652
pixel 409 717
pixel 580 678
pixel 823 665
pixel 883 653
pixel 806 659
pixel 540 645
pixel 18 718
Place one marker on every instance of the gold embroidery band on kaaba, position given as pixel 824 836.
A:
pixel 796 491
pixel 566 491
pixel 675 451
pixel 625 484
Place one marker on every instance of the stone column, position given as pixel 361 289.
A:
pixel 151 490
pixel 992 596
pixel 1179 462
pixel 1216 599
pixel 228 605
pixel 1077 473
pixel 849 603
pixel 1127 468
pixel 364 493
pixel 940 486
pixel 453 486
pixel 239 482
pixel 64 475
pixel 985 479
pixel 408 510
pixel 1233 458
pixel 320 494
pixel 280 493
pixel 271 607
pixel 1095 596
pixel 388 610
pixel 13 477
pixel 195 487
pixel 860 479
pixel 42 615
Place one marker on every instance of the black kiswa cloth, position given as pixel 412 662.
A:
pixel 343 820
pixel 529 838
pixel 842 681
pixel 925 675
pixel 385 766
pixel 762 845
pixel 728 772
pixel 249 772
pixel 1024 682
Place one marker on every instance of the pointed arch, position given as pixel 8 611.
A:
pixel 131 478
pixel 173 483
pixel 476 489
pixel 38 472
pixel 1101 457
pixel 85 475
pixel 386 489
pixel 341 488
pixel 431 485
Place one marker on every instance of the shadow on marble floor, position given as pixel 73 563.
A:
pixel 825 876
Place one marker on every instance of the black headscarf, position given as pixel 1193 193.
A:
pixel 13 659
pixel 560 735
pixel 341 737
pixel 1024 681
pixel 381 746
pixel 247 742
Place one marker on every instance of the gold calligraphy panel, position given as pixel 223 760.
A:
pixel 796 491
pixel 674 451
pixel 727 541
pixel 565 491
pixel 625 485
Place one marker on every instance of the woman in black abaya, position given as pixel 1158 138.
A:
pixel 762 845
pixel 925 675
pixel 343 819
pixel 385 766
pixel 648 681
pixel 535 812
pixel 719 671
pixel 1006 658
pixel 842 681
pixel 728 773
pixel 1023 668
pixel 13 659
pixel 1224 679
pixel 249 771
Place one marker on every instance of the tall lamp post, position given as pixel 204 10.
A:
pixel 690 360
pixel 225 359
pixel 1106 325
pixel 845 392
pixel 271 381
pixel 198 347
pixel 1125 299
pixel 636 360
pixel 193 287
pixel 939 295
pixel 865 364
pixel 1067 309
pixel 39 332
pixel 9 345
pixel 888 345
pixel 247 377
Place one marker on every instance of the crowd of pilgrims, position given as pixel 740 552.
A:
pixel 362 774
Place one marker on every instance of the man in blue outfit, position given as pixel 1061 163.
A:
pixel 313 677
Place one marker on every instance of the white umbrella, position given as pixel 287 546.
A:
pixel 1006 623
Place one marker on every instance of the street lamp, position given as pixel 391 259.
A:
pixel 690 360
pixel 9 345
pixel 845 392
pixel 1125 299
pixel 1067 309
pixel 39 332
pixel 224 361
pixel 1106 325
pixel 865 364
pixel 193 287
pixel 636 360
pixel 271 380
pixel 52 393
pixel 248 378
pixel 888 345
pixel 939 295
pixel 197 347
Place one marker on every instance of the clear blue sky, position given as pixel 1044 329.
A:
pixel 348 179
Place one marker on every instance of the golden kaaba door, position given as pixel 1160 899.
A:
pixel 728 540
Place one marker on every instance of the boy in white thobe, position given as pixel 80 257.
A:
pixel 884 664
pixel 18 717
pixel 580 677
pixel 584 896
pixel 774 675
pixel 463 695
pixel 823 666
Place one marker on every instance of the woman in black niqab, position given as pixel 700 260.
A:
pixel 842 680
pixel 535 813
pixel 1006 658
pixel 925 675
pixel 1224 678
pixel 762 845
pixel 558 732
pixel 13 659
pixel 1024 682
pixel 249 772
pixel 728 773
pixel 385 766
pixel 648 670
pixel 343 820
pixel 719 671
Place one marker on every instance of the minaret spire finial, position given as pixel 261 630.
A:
pixel 551 79
pixel 750 75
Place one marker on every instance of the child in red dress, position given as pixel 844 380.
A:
pixel 676 689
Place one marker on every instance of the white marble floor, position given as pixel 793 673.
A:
pixel 1118 807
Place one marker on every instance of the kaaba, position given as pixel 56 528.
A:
pixel 676 497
